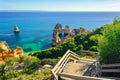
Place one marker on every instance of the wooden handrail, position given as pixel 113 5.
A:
pixel 63 61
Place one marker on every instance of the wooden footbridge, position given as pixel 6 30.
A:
pixel 72 67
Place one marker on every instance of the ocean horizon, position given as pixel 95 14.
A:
pixel 36 27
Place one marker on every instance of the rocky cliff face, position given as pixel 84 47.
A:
pixel 4 46
pixel 57 33
pixel 57 29
pixel 5 51
pixel 17 51
pixel 56 39
pixel 79 31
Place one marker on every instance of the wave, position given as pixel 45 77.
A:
pixel 6 34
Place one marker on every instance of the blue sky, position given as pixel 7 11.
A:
pixel 61 5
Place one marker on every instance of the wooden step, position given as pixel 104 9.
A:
pixel 111 70
pixel 111 65
pixel 113 78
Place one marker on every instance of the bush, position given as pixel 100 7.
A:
pixel 109 43
pixel 49 61
pixel 31 64
pixel 44 74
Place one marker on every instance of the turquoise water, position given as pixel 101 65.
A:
pixel 36 27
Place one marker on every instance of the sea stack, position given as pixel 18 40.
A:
pixel 16 29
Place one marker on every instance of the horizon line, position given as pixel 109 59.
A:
pixel 49 11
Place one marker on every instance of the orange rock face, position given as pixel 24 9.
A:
pixel 5 51
pixel 17 51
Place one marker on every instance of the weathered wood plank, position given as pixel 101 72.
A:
pixel 111 70
pixel 111 65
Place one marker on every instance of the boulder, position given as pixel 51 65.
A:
pixel 47 66
pixel 19 66
pixel 8 69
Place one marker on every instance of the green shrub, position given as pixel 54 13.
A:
pixel 109 43
pixel 31 63
pixel 44 74
pixel 49 61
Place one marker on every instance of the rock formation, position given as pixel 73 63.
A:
pixel 84 31
pixel 6 53
pixel 79 31
pixel 56 40
pixel 66 30
pixel 58 30
pixel 4 46
pixel 17 51
pixel 57 33
pixel 16 29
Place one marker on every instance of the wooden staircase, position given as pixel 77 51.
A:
pixel 111 70
pixel 91 71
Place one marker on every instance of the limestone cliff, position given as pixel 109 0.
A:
pixel 56 40
pixel 57 28
pixel 5 51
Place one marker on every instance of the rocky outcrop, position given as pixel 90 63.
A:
pixel 15 67
pixel 58 30
pixel 17 51
pixel 79 31
pixel 5 51
pixel 56 40
pixel 84 31
pixel 57 33
pixel 66 30
pixel 16 29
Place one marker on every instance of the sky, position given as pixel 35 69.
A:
pixel 61 5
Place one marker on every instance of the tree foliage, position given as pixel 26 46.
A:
pixel 109 42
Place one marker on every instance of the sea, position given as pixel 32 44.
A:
pixel 36 27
